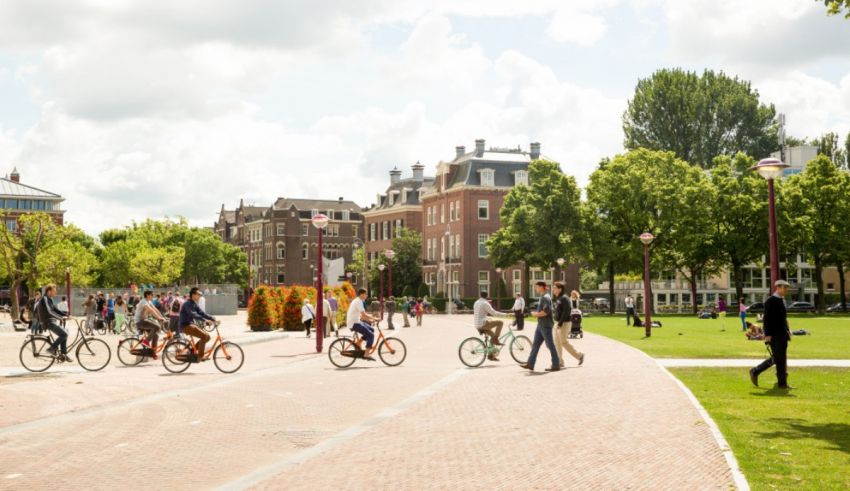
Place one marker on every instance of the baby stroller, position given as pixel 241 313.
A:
pixel 575 324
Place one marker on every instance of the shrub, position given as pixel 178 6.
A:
pixel 259 317
pixel 422 291
pixel 292 310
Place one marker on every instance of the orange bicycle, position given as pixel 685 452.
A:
pixel 131 351
pixel 179 353
pixel 345 350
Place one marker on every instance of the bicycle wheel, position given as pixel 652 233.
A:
pixel 174 356
pixel 34 356
pixel 228 357
pixel 392 351
pixel 125 351
pixel 102 329
pixel 520 348
pixel 342 353
pixel 93 354
pixel 472 352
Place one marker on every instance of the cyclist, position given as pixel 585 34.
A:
pixel 481 309
pixel 49 317
pixel 144 311
pixel 360 322
pixel 189 312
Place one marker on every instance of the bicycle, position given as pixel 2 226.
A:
pixel 131 351
pixel 345 350
pixel 92 354
pixel 473 351
pixel 179 353
pixel 203 325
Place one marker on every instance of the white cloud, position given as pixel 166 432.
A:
pixel 812 105
pixel 569 25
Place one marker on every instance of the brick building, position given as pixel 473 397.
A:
pixel 461 211
pixel 18 199
pixel 399 206
pixel 280 241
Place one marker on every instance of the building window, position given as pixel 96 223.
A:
pixel 488 177
pixel 443 213
pixel 281 251
pixel 442 247
pixel 398 228
pixel 452 211
pixel 517 282
pixel 482 245
pixel 11 225
pixel 281 278
pixel 372 232
pixel 451 245
pixel 313 213
pixel 281 229
pixel 484 282
pixel 385 230
pixel 483 209
pixel 521 177
pixel 457 246
pixel 346 215
pixel 305 229
pixel 304 251
pixel 355 230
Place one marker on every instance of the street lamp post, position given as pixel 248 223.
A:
pixel 647 239
pixel 381 288
pixel 771 169
pixel 561 262
pixel 390 254
pixel 320 221
pixel 68 289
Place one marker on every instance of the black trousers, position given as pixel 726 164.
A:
pixel 779 347
pixel 520 320
pixel 630 313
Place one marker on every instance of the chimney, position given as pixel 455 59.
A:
pixel 340 200
pixel 418 172
pixel 459 151
pixel 395 176
pixel 535 150
pixel 479 147
pixel 14 176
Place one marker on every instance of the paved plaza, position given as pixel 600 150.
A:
pixel 290 420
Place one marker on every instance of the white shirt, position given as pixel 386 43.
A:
pixel 481 309
pixel 519 304
pixel 354 310
pixel 140 314
pixel 326 308
pixel 63 306
pixel 202 303
pixel 630 302
pixel 307 312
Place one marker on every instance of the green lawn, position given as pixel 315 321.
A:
pixel 689 337
pixel 798 440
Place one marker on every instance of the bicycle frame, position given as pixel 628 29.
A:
pixel 78 339
pixel 218 341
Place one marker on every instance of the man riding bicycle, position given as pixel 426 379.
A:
pixel 360 322
pixel 144 311
pixel 481 309
pixel 189 312
pixel 48 317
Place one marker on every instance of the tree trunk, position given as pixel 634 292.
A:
pixel 738 272
pixel 693 282
pixel 527 287
pixel 842 285
pixel 612 304
pixel 819 282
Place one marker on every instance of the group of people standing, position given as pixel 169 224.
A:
pixel 408 307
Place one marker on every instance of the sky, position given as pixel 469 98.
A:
pixel 152 109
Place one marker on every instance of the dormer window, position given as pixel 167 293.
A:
pixel 521 177
pixel 488 177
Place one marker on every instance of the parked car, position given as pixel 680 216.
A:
pixel 801 307
pixel 836 307
pixel 756 307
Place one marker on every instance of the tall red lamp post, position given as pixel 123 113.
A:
pixel 320 221
pixel 647 238
pixel 381 268
pixel 389 254
pixel 772 169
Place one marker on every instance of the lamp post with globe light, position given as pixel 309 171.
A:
pixel 320 221
pixel 389 254
pixel 772 169
pixel 68 290
pixel 561 262
pixel 647 238
pixel 381 268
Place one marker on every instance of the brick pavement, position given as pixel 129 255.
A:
pixel 617 422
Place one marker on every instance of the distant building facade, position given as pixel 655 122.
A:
pixel 18 199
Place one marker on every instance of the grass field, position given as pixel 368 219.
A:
pixel 794 440
pixel 689 337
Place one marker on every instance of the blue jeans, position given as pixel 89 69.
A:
pixel 61 337
pixel 544 333
pixel 743 321
pixel 366 331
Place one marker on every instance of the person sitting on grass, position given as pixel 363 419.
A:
pixel 360 322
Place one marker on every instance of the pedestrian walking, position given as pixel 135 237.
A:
pixel 110 311
pixel 776 335
pixel 420 310
pixel 543 333
pixel 519 312
pixel 405 311
pixel 390 305
pixel 326 316
pixel 564 309
pixel 307 315
pixel 334 310
pixel 120 311
pixel 89 308
pixel 62 306
pixel 721 311
pixel 630 309
pixel 742 313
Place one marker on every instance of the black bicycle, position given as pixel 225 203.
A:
pixel 92 354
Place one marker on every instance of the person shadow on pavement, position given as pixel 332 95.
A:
pixel 836 434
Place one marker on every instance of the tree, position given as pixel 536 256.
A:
pixel 157 265
pixel 407 263
pixel 739 216
pixel 835 7
pixel 60 255
pixel 699 117
pixel 815 209
pixel 541 222
pixel 829 144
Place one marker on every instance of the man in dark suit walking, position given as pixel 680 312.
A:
pixel 777 335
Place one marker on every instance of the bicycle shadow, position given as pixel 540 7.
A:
pixel 295 355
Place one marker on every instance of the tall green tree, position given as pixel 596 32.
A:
pixel 545 215
pixel 836 7
pixel 406 265
pixel 55 258
pixel 739 217
pixel 699 117
pixel 829 144
pixel 815 208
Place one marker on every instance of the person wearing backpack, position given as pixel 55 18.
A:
pixel 307 315
pixel 420 309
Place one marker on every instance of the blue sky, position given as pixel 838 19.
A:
pixel 137 109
